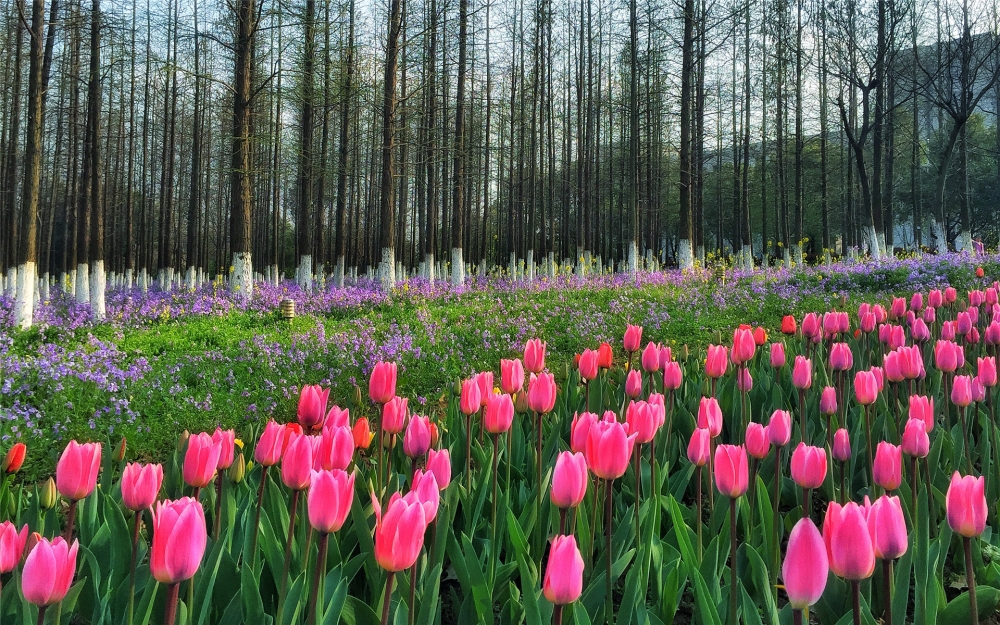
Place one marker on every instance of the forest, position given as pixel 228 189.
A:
pixel 168 143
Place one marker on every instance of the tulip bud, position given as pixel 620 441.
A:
pixel 828 401
pixel 802 373
pixel 777 355
pixel 633 383
pixel 888 468
pixel 841 445
pixel 47 496
pixel 182 441
pixel 731 472
pixel 14 459
pixel 809 466
pixel 120 451
pixel 237 470
pixel 357 397
pixel 965 504
pixel 757 442
pixel 362 433
pixel 916 443
pixel 779 428
pixel 806 565
pixel 698 447
pixel 521 402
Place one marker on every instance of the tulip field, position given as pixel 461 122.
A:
pixel 816 446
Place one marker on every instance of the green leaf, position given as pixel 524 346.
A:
pixel 958 610
pixel 357 612
pixel 293 604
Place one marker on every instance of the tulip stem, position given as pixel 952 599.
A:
pixel 697 519
pixel 796 617
pixel 965 436
pixel 317 578
pixel 256 522
pixel 970 576
pixel 775 516
pixel 843 483
pixel 381 461
pixel 41 616
pixel 494 549
pixel 412 612
pixel 916 482
pixel 388 598
pixel 608 604
pixel 137 523
pixel 288 551
pixel 886 592
pixel 70 520
pixel 169 608
pixel 468 452
pixel 802 414
pixel 856 600
pixel 868 440
pixel 218 507
pixel 557 615
pixel 638 491
pixel 732 561
pixel 931 513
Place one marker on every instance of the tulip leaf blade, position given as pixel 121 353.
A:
pixel 958 610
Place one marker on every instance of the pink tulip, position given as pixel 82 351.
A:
pixel 948 331
pixel 382 383
pixel 779 428
pixel 179 538
pixel 499 413
pixel 841 445
pixel 922 408
pixel 470 400
pixel 848 541
pixel 978 391
pixel 841 357
pixel 651 357
pixel 588 365
pixel 963 323
pixel 698 447
pixel 672 376
pixel 917 301
pixel 744 346
pixel 579 430
pixel 930 315
pixel 802 373
pixel 563 583
pixel 48 571
pixel 935 299
pixel 399 533
pixel 961 390
pixel 201 460
pixel 950 295
pixel 992 336
pixel 394 414
pixel 439 463
pixel 879 374
pixel 485 382
pixel 888 468
pixel 534 356
pixel 11 545
pixel 716 362
pixel 633 383
pixel 330 497
pixel 809 466
pixel 297 462
pixel 665 356
pixel 312 405
pixel 731 472
pixel 417 439
pixel 335 449
pixel 865 387
pixel 710 415
pixel 916 443
pixel 828 401
pixel 744 381
pixel 887 528
pixel 892 368
pixel 868 322
pixel 632 339
pixel 337 417
pixel 966 505
pixel 987 372
pixel 542 393
pixel 919 331
pixel 806 566
pixel 77 470
pixel 810 325
pixel 609 448
pixel 270 445
pixel 758 445
pixel 227 441
pixel 777 355
pixel 642 420
pixel 511 376
pixel 946 356
pixel 140 485
pixel 569 480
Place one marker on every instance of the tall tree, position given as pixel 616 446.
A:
pixel 387 223
pixel 303 223
pixel 460 157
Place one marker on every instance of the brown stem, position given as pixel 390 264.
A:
pixel 557 615
pixel 413 594
pixel 388 598
pixel 218 507
pixel 317 577
pixel 256 521
pixel 732 561
pixel 856 600
pixel 70 521
pixel 886 592
pixel 608 605
pixel 970 576
pixel 169 608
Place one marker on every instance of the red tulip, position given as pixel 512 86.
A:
pixel 966 505
pixel 511 376
pixel 312 405
pixel 632 338
pixel 672 376
pixel 330 497
pixel 731 472
pixel 961 390
pixel 916 443
pixel 841 445
pixel 227 442
pixel 802 373
pixel 201 460
pixel 848 541
pixel 758 445
pixel 48 571
pixel 399 533
pixel 744 346
pixel 806 566
pixel 710 415
pixel 542 393
pixel 569 480
pixel 777 355
pixel 11 545
pixel 77 470
pixel 609 448
pixel 759 336
pixel 534 356
pixel 698 447
pixel 865 387
pixel 788 324
pixel 417 439
pixel 716 362
pixel 563 581
pixel 439 463
pixel 270 445
pixel 779 428
pixel 809 466
pixel 887 528
pixel 141 485
pixel 382 382
pixel 362 433
pixel 297 462
pixel 179 538
pixel 605 357
pixel 888 468
pixel 14 459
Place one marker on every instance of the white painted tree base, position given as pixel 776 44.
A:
pixel 24 300
pixel 82 283
pixel 241 280
pixel 685 259
pixel 633 258
pixel 387 268
pixel 98 287
pixel 303 274
pixel 457 267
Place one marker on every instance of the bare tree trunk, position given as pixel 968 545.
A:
pixel 241 184
pixel 387 225
pixel 458 187
pixel 685 257
pixel 303 223
pixel 98 276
